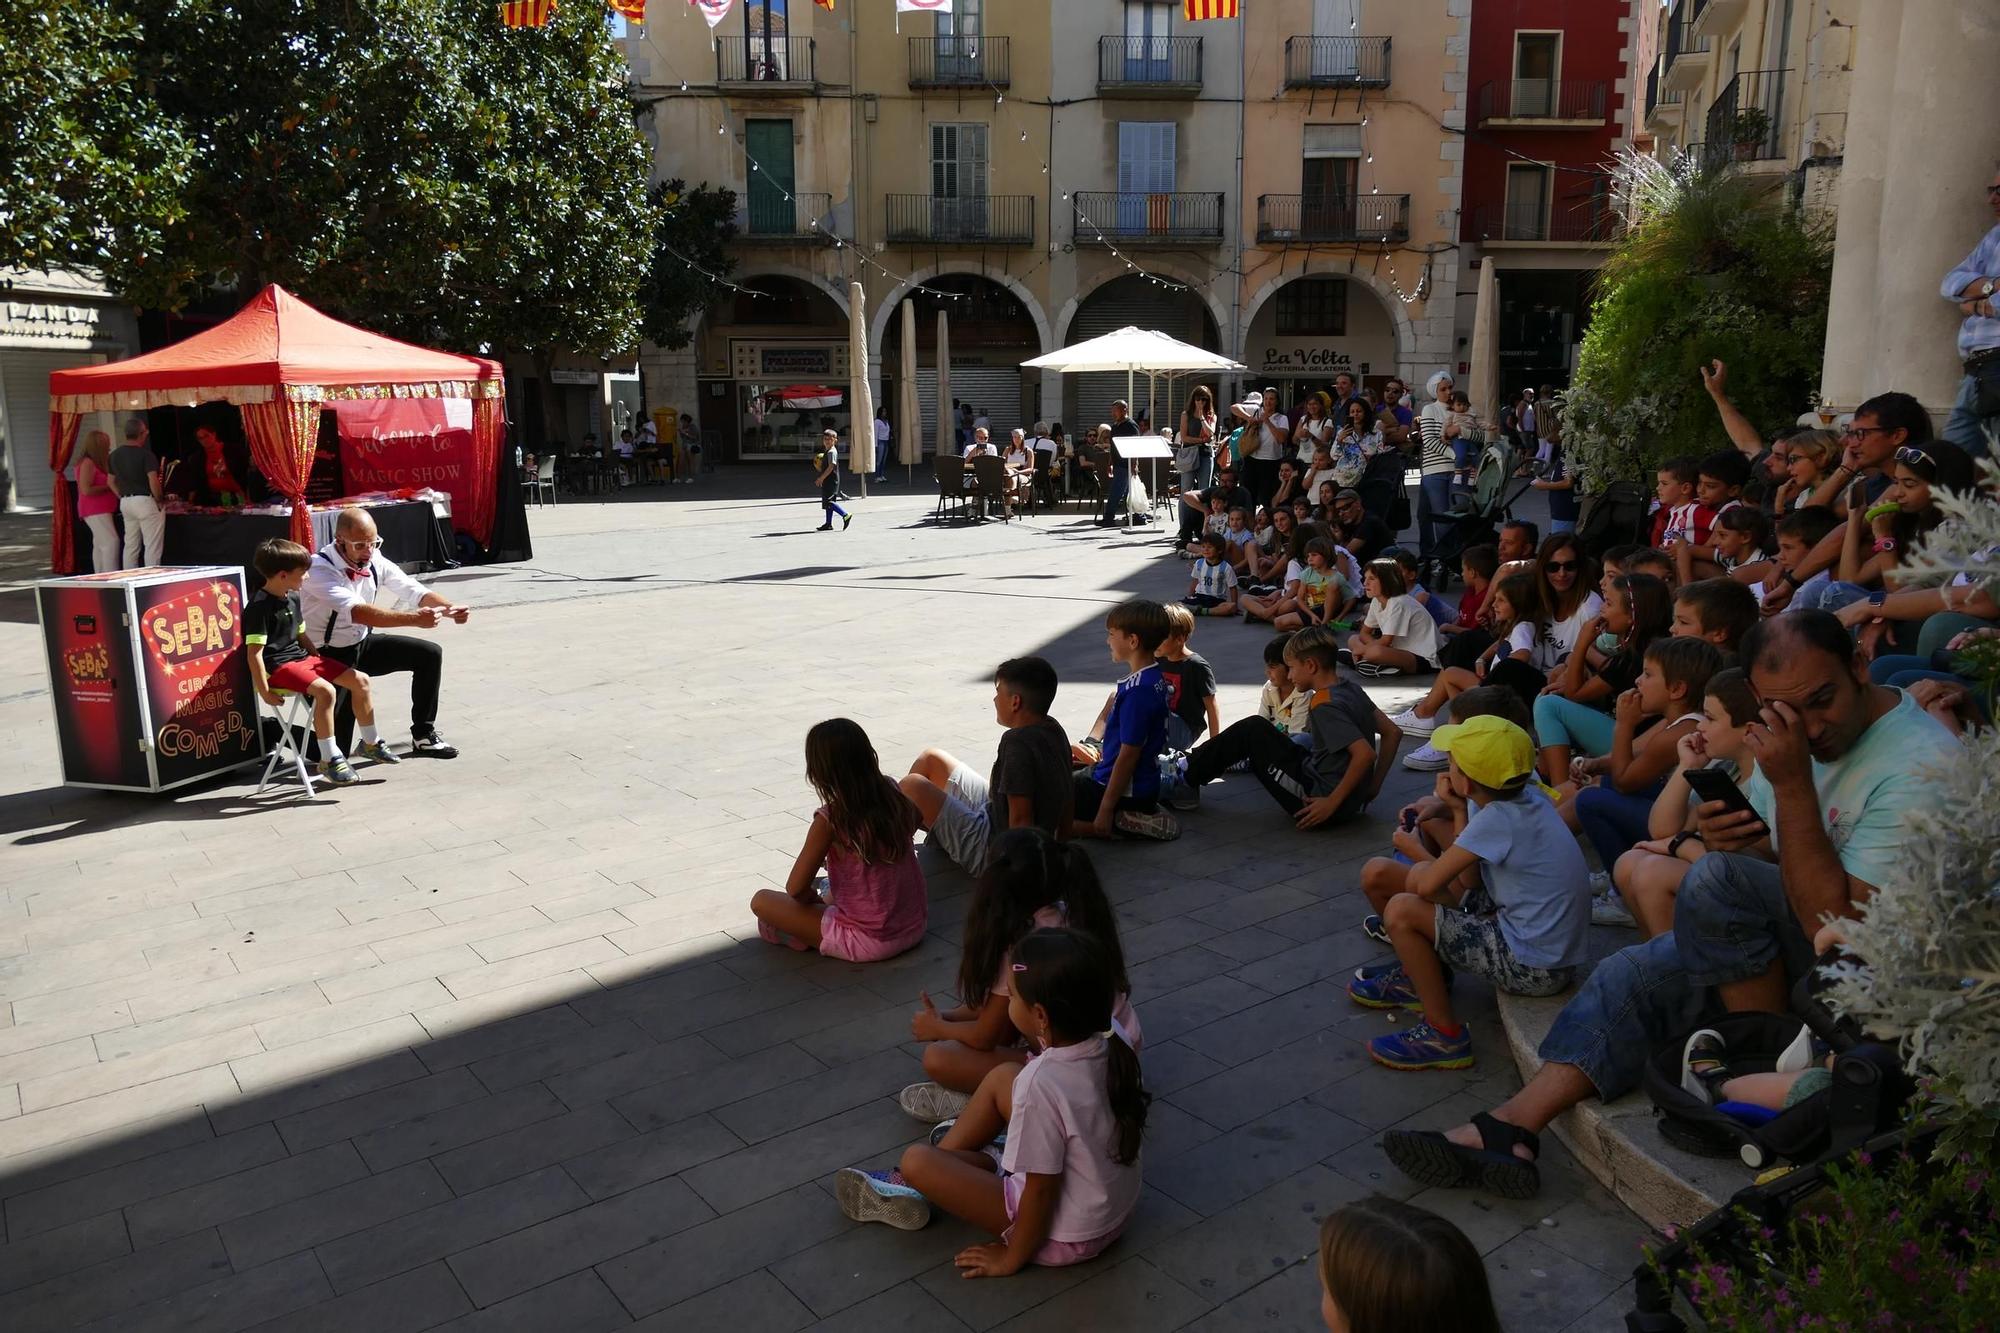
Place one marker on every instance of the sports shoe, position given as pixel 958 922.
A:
pixel 434 746
pixel 1704 1066
pixel 1177 791
pixel 880 1196
pixel 1410 724
pixel 1420 1046
pixel 1157 825
pixel 931 1102
pixel 338 772
pixel 1426 758
pixel 993 1149
pixel 377 752
pixel 846 521
pixel 1600 882
pixel 1385 986
pixel 1608 909
pixel 1372 927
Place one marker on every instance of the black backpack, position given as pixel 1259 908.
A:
pixel 1613 518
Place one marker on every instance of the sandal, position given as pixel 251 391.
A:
pixel 1429 1158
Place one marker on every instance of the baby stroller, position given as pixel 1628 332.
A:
pixel 1476 514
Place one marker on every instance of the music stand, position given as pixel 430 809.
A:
pixel 1151 448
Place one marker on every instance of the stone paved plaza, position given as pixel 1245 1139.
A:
pixel 492 1043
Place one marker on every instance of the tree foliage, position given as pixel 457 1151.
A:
pixel 86 162
pixel 692 251
pixel 1712 267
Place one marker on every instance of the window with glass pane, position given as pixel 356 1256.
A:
pixel 958 181
pixel 1536 56
pixel 1313 308
pixel 1527 202
pixel 958 31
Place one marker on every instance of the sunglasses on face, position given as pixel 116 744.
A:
pixel 1564 566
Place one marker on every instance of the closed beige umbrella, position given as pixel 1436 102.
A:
pixel 909 414
pixel 860 394
pixel 1484 390
pixel 947 419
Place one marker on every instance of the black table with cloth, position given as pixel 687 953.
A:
pixel 409 531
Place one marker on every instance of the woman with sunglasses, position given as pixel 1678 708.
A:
pixel 1878 535
pixel 1568 587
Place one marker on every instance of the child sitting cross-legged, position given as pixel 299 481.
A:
pixel 1334 778
pixel 1532 940
pixel 1433 605
pixel 1212 580
pixel 1574 713
pixel 1031 880
pixel 1117 784
pixel 1513 605
pixel 1398 637
pixel 1242 541
pixel 863 834
pixel 1647 878
pixel 1067 1181
pixel 1323 593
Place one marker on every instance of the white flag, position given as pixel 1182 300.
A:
pixel 713 10
pixel 923 6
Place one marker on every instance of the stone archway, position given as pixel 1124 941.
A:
pixel 1407 349
pixel 879 322
pixel 1204 287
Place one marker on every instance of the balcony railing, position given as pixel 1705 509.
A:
pixel 1356 219
pixel 752 60
pixel 960 62
pixel 1336 62
pixel 1686 58
pixel 1661 102
pixel 1746 121
pixel 1582 224
pixel 1148 64
pixel 991 219
pixel 1577 101
pixel 1147 219
pixel 802 219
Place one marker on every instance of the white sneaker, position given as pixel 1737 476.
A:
pixel 1608 909
pixel 1410 724
pixel 931 1102
pixel 1427 759
pixel 1600 883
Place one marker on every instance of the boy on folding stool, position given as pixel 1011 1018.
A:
pixel 280 660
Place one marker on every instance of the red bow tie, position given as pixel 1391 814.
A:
pixel 360 573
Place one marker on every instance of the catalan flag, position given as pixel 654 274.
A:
pixel 633 10
pixel 1198 10
pixel 526 13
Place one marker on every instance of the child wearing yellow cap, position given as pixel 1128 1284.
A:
pixel 1506 831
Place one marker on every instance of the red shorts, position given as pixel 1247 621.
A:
pixel 298 676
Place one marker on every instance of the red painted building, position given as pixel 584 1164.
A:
pixel 1550 96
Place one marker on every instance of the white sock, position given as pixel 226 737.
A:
pixel 368 736
pixel 329 750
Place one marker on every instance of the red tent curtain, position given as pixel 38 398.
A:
pixel 489 428
pixel 282 438
pixel 63 427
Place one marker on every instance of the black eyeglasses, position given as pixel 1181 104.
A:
pixel 1863 432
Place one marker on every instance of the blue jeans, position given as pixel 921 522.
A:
pixel 1633 1001
pixel 1433 509
pixel 1732 921
pixel 1114 498
pixel 1965 427
pixel 881 457
pixel 1613 820
pixel 1560 721
pixel 1832 595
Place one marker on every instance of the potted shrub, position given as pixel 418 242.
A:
pixel 1747 130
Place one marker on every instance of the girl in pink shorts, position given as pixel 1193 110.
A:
pixel 864 834
pixel 1067 1180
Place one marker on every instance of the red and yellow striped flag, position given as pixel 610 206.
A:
pixel 825 4
pixel 1198 10
pixel 633 10
pixel 526 13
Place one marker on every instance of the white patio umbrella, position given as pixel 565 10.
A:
pixel 947 419
pixel 1135 351
pixel 860 394
pixel 909 415
pixel 1484 389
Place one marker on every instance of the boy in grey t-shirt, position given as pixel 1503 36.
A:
pixel 135 472
pixel 1030 783
pixel 1533 940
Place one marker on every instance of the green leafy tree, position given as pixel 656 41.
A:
pixel 1711 267
pixel 690 255
pixel 86 159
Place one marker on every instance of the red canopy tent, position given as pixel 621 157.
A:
pixel 280 361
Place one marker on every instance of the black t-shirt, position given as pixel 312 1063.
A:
pixel 1190 682
pixel 1033 761
pixel 272 623
pixel 1234 497
pixel 1368 538
pixel 1125 427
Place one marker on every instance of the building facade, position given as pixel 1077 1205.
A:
pixel 1283 188
pixel 1552 100
pixel 48 322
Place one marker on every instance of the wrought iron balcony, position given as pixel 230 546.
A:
pixel 1336 62
pixel 1580 224
pixel 1355 219
pixel 1663 106
pixel 1543 103
pixel 960 62
pixel 1746 121
pixel 1148 66
pixel 988 219
pixel 750 64
pixel 804 219
pixel 1147 219
pixel 1686 60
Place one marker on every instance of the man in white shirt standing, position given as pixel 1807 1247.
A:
pixel 340 615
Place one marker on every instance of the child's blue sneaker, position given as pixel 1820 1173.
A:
pixel 881 1196
pixel 1384 986
pixel 1421 1046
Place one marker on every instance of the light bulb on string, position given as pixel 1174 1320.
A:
pixel 684 85
pixel 722 129
pixel 1024 136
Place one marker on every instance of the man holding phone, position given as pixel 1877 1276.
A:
pixel 340 615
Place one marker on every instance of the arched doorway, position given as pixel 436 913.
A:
pixel 1308 329
pixel 774 368
pixel 1178 312
pixel 991 333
